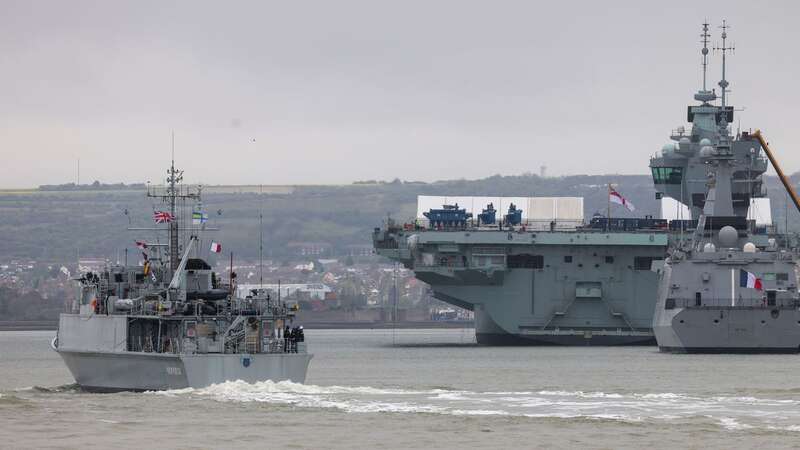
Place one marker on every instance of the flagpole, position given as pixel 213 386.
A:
pixel 230 278
pixel 608 215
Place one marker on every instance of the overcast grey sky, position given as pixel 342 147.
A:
pixel 335 91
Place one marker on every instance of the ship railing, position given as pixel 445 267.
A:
pixel 284 345
pixel 707 303
pixel 475 224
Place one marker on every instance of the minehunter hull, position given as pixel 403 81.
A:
pixel 131 371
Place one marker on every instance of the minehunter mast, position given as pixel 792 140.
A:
pixel 171 194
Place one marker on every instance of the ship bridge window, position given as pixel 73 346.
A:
pixel 525 261
pixel 667 175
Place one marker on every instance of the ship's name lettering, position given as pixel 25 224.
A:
pixel 174 371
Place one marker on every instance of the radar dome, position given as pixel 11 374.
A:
pixel 728 236
pixel 749 248
pixel 684 141
pixel 706 151
pixel 704 142
pixel 709 248
pixel 667 149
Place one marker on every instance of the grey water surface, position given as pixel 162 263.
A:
pixel 420 389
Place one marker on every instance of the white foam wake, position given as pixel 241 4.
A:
pixel 729 412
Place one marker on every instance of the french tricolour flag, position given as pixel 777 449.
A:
pixel 215 247
pixel 749 280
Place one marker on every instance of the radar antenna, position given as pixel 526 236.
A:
pixel 723 83
pixel 704 95
pixel 704 51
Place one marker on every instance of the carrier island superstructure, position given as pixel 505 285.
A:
pixel 540 282
pixel 172 322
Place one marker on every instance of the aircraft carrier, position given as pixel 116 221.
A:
pixel 543 279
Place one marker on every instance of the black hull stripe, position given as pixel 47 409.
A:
pixel 500 339
pixel 732 350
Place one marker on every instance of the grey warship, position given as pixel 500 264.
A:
pixel 557 283
pixel 724 290
pixel 171 322
pixel 721 292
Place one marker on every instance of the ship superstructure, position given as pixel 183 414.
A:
pixel 172 322
pixel 722 291
pixel 680 170
pixel 589 283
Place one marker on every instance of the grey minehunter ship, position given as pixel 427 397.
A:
pixel 172 323
pixel 589 285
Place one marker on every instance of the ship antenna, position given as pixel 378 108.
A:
pixel 704 51
pixel 261 236
pixel 723 83
pixel 175 177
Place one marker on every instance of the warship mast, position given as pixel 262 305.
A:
pixel 171 194
pixel 723 83
pixel 174 177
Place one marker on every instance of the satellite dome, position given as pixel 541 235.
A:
pixel 728 236
pixel 684 141
pixel 749 248
pixel 667 149
pixel 709 248
pixel 704 142
pixel 707 151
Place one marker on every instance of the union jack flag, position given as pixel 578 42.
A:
pixel 163 217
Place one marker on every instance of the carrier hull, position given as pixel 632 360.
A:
pixel 499 339
pixel 571 288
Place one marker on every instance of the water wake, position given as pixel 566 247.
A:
pixel 728 412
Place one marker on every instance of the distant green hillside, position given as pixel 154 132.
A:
pixel 56 225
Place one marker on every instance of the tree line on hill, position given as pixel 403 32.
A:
pixel 54 226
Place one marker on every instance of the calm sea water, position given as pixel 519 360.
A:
pixel 420 389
